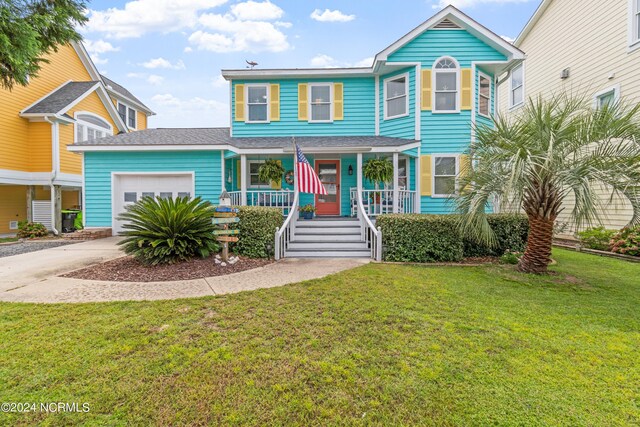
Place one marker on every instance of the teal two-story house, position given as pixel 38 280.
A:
pixel 416 105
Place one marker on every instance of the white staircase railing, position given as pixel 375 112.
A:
pixel 286 233
pixel 368 231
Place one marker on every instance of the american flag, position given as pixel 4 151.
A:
pixel 308 181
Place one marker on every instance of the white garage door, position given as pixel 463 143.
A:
pixel 129 188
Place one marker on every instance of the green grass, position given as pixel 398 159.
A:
pixel 378 345
pixel 8 239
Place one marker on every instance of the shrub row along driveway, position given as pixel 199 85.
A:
pixel 376 345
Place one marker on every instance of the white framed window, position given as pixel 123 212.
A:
pixel 253 179
pixel 128 115
pixel 607 96
pixel 396 96
pixel 257 102
pixel 446 83
pixel 90 126
pixel 445 169
pixel 321 102
pixel 634 24
pixel 484 95
pixel 516 86
pixel 403 174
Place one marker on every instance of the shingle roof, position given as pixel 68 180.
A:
pixel 220 136
pixel 57 100
pixel 121 90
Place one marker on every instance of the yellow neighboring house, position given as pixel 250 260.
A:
pixel 68 101
pixel 589 49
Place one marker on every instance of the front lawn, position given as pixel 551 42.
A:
pixel 378 345
pixel 8 239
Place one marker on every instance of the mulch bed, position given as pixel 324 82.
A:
pixel 127 269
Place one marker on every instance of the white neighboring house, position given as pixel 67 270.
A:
pixel 587 48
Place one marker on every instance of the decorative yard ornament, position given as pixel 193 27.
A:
pixel 223 217
pixel 251 63
pixel 225 199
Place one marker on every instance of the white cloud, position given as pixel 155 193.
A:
pixel 174 111
pixel 508 39
pixel 98 47
pixel 471 3
pixel 331 16
pixel 163 63
pixel 136 75
pixel 256 11
pixel 283 24
pixel 188 49
pixel 155 80
pixel 140 17
pixel 326 61
pixel 219 82
pixel 230 34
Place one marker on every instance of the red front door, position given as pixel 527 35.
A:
pixel 329 173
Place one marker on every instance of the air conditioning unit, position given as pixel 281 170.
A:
pixel 13 225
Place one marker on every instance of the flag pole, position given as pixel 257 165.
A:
pixel 295 165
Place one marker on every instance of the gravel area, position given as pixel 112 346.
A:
pixel 25 247
pixel 127 269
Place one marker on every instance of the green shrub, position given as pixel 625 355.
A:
pixel 627 241
pixel 31 230
pixel 596 238
pixel 257 229
pixel 165 231
pixel 510 257
pixel 437 238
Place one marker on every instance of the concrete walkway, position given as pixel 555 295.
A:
pixel 33 277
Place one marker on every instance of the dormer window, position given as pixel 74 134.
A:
pixel 89 127
pixel 128 115
pixel 257 103
pixel 446 76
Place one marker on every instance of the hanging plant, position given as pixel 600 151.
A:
pixel 271 171
pixel 378 171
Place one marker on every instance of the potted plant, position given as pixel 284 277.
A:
pixel 271 171
pixel 378 170
pixel 307 211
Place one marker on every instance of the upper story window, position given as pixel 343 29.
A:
pixel 320 102
pixel 128 115
pixel 257 103
pixel 445 170
pixel 516 86
pixel 446 76
pixel 396 96
pixel 89 126
pixel 484 95
pixel 634 24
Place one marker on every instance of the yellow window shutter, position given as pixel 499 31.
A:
pixel 275 103
pixel 338 101
pixel 238 174
pixel 239 103
pixel 425 176
pixel 277 185
pixel 426 89
pixel 464 165
pixel 466 101
pixel 303 102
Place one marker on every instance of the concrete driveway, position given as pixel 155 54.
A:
pixel 33 277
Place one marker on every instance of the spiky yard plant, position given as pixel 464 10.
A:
pixel 160 231
pixel 554 150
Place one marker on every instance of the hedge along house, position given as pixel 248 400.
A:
pixel 416 105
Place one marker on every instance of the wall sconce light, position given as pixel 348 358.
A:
pixel 229 177
pixel 350 170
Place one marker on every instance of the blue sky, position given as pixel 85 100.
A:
pixel 170 52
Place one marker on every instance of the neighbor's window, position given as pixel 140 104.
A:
pixel 484 96
pixel 607 97
pixel 396 100
pixel 320 100
pixel 444 175
pixel 446 85
pixel 257 103
pixel 128 115
pixel 635 22
pixel 517 86
pixel 90 127
pixel 254 179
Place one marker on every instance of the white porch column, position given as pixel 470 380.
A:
pixel 359 172
pixel 243 179
pixel 396 190
pixel 359 193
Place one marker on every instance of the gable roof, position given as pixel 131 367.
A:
pixel 56 101
pixel 532 21
pixel 122 92
pixel 455 16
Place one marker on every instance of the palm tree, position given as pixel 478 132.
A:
pixel 551 151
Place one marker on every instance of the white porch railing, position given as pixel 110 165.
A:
pixel 368 231
pixel 281 199
pixel 378 202
pixel 286 233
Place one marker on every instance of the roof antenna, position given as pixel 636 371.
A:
pixel 251 64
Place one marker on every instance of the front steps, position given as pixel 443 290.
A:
pixel 327 238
